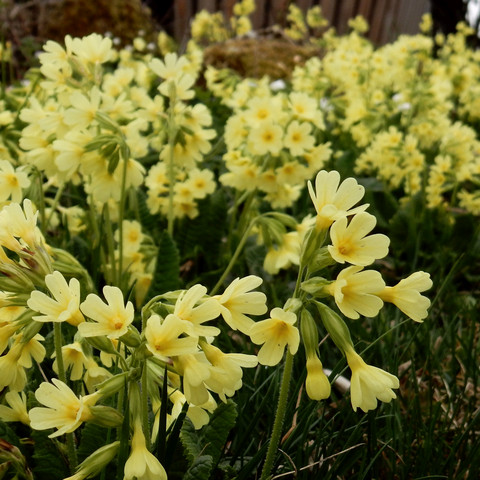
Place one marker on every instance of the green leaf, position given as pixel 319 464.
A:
pixel 205 232
pixel 93 437
pixel 167 271
pixel 49 458
pixel 7 434
pixel 149 222
pixel 211 439
pixel 217 430
pixel 191 440
pixel 200 469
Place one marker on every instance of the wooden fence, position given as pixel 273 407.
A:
pixel 387 18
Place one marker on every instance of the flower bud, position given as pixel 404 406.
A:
pixel 309 331
pixel 317 383
pixel 106 416
pixel 293 305
pixel 336 327
pixel 112 385
pixel 315 286
pixel 103 344
pixel 96 462
pixel 132 337
pixel 314 240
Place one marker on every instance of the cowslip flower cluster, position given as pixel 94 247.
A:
pixel 273 143
pixel 342 235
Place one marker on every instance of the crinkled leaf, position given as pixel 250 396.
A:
pixel 167 270
pixel 50 460
pixel 200 469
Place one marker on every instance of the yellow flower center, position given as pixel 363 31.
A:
pixel 12 179
pixel 262 114
pixel 267 137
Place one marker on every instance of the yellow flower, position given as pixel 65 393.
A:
pixel 30 349
pixel 369 383
pixel 316 383
pixel 173 67
pixel 17 223
pixel 111 319
pixel 65 411
pixel 355 292
pixel 195 370
pixel 163 337
pixel 141 464
pixel 266 138
pixel 298 139
pixel 12 181
pixel 201 182
pixel 238 301
pixel 17 411
pixel 275 333
pixel 285 255
pixel 73 357
pixel 93 48
pixel 13 374
pixel 350 243
pixel 226 372
pixel 333 201
pixel 194 316
pixel 65 304
pixel 406 295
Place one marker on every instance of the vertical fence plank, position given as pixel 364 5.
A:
pixel 365 9
pixel 304 5
pixel 377 20
pixel 209 5
pixel 409 15
pixel 329 10
pixel 183 12
pixel 258 19
pixel 277 12
pixel 347 11
pixel 227 7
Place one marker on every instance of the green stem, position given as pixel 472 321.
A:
pixel 110 246
pixel 121 215
pixel 57 333
pixel 279 418
pixel 58 194
pixel 172 135
pixel 145 423
pixel 234 257
pixel 41 202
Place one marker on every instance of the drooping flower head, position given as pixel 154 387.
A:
pixel 406 295
pixel 368 383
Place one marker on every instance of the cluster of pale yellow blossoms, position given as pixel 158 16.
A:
pixel 356 291
pixel 175 346
pixel 92 125
pixel 408 116
pixel 272 142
